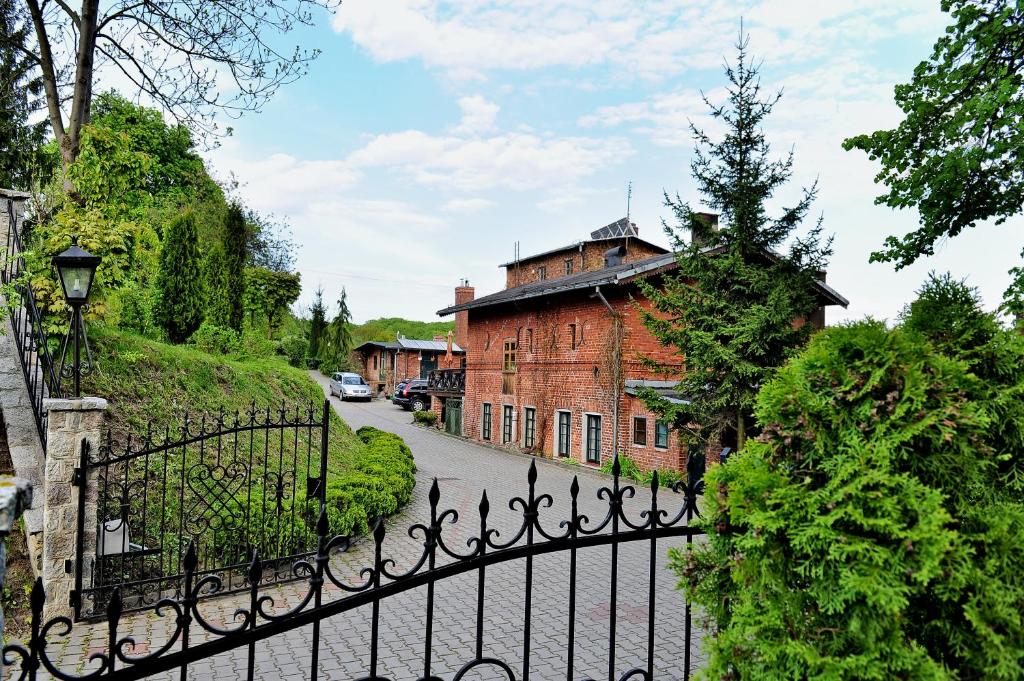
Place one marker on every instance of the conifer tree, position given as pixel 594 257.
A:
pixel 317 323
pixel 235 258
pixel 339 336
pixel 218 303
pixel 20 86
pixel 179 284
pixel 730 308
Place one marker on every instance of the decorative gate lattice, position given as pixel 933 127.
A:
pixel 228 485
pixel 194 636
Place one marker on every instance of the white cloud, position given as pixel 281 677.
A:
pixel 284 184
pixel 515 161
pixel 474 205
pixel 652 39
pixel 478 116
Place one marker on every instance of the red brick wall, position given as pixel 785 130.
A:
pixel 553 376
pixel 590 258
pixel 463 294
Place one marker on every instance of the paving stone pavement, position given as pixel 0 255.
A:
pixel 463 470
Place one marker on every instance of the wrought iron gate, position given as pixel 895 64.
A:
pixel 194 636
pixel 226 485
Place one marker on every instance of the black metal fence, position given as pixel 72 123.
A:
pixel 447 381
pixel 227 485
pixel 258 620
pixel 26 322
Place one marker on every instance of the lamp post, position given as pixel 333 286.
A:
pixel 76 270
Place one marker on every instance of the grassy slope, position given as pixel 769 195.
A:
pixel 146 381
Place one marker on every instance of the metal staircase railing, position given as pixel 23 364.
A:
pixel 26 322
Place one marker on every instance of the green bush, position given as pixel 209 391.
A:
pixel 180 295
pixel 871 532
pixel 216 339
pixel 628 468
pixel 132 306
pixel 294 348
pixel 380 482
pixel 426 418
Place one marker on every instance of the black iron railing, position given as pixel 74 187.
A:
pixel 26 323
pixel 229 484
pixel 194 636
pixel 447 381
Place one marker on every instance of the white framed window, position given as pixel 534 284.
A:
pixel 529 427
pixel 563 436
pixel 592 437
pixel 661 434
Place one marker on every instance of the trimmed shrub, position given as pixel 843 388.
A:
pixel 294 348
pixel 425 418
pixel 871 531
pixel 216 339
pixel 179 285
pixel 380 483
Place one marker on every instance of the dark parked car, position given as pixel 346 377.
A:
pixel 412 395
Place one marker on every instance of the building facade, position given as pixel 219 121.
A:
pixel 553 365
pixel 386 363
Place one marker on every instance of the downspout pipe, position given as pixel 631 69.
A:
pixel 617 361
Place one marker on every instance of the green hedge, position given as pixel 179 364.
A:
pixel 380 482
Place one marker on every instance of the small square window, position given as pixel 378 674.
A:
pixel 509 363
pixel 640 431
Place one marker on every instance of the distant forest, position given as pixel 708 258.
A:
pixel 386 329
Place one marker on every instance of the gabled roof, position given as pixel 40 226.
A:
pixel 616 275
pixel 432 345
pixel 620 229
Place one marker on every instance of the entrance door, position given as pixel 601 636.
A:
pixel 428 363
pixel 453 416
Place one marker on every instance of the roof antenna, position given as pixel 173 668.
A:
pixel 629 199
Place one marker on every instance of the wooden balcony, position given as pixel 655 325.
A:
pixel 447 381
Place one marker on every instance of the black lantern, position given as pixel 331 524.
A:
pixel 76 269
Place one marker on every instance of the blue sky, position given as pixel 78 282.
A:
pixel 431 136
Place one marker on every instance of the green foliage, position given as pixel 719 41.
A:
pixel 730 308
pixel 336 350
pixel 215 274
pixel 629 468
pixel 19 91
pixel 180 301
pixel 132 309
pixel 235 255
pixel 388 328
pixel 871 531
pixel 380 482
pixel 317 323
pixel 956 154
pixel 1013 297
pixel 295 348
pixel 268 294
pixel 425 418
pixel 216 339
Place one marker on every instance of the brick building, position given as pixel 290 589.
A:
pixel 384 363
pixel 553 364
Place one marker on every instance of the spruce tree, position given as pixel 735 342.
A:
pixel 339 336
pixel 235 258
pixel 179 284
pixel 317 323
pixel 19 89
pixel 217 302
pixel 730 308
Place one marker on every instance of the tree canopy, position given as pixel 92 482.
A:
pixel 192 58
pixel 957 154
pixel 730 308
pixel 20 87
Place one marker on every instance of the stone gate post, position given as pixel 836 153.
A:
pixel 71 422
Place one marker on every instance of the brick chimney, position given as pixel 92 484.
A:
pixel 710 219
pixel 463 294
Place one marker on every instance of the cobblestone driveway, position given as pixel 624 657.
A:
pixel 463 470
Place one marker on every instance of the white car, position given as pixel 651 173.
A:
pixel 350 387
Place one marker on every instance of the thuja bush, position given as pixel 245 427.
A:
pixel 875 529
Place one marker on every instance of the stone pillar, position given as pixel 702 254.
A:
pixel 15 498
pixel 71 422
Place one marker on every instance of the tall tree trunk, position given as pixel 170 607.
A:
pixel 741 430
pixel 48 72
pixel 81 99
